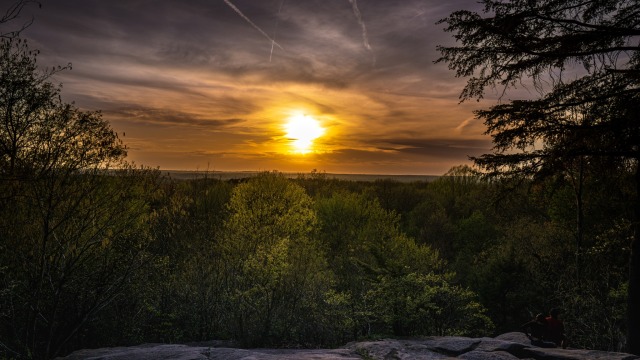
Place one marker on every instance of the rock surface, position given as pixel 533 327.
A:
pixel 504 347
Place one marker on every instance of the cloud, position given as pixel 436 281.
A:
pixel 439 148
pixel 167 117
pixel 191 80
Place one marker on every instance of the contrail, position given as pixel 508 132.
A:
pixel 275 30
pixel 356 12
pixel 273 42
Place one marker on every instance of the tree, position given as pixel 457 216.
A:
pixel 428 304
pixel 364 243
pixel 583 59
pixel 39 133
pixel 71 231
pixel 276 271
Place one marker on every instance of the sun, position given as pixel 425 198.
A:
pixel 302 130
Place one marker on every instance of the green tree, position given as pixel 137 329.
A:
pixel 363 243
pixel 592 112
pixel 276 271
pixel 530 267
pixel 474 235
pixel 428 304
pixel 199 284
pixel 181 297
pixel 71 232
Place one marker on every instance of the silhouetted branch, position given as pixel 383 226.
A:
pixel 12 13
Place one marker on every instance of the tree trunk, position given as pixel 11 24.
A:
pixel 633 299
pixel 578 188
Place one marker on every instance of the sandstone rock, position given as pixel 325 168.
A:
pixel 508 346
pixel 186 352
pixel 395 349
pixel 141 352
pixel 486 355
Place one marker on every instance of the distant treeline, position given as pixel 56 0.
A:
pixel 237 175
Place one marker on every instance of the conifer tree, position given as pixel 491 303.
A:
pixel 583 60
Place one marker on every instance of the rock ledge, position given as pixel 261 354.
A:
pixel 508 346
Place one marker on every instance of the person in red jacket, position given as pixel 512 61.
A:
pixel 555 328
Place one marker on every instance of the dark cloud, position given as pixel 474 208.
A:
pixel 322 40
pixel 172 118
pixel 439 148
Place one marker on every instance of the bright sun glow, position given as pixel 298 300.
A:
pixel 302 130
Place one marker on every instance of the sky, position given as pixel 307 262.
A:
pixel 212 84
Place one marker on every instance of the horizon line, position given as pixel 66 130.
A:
pixel 241 174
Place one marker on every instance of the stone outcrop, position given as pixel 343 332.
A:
pixel 508 346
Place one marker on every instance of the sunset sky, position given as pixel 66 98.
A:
pixel 212 84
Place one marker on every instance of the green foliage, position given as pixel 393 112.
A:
pixel 263 263
pixel 71 244
pixel 415 304
pixel 364 242
pixel 474 235
pixel 72 233
pixel 596 313
pixel 276 271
